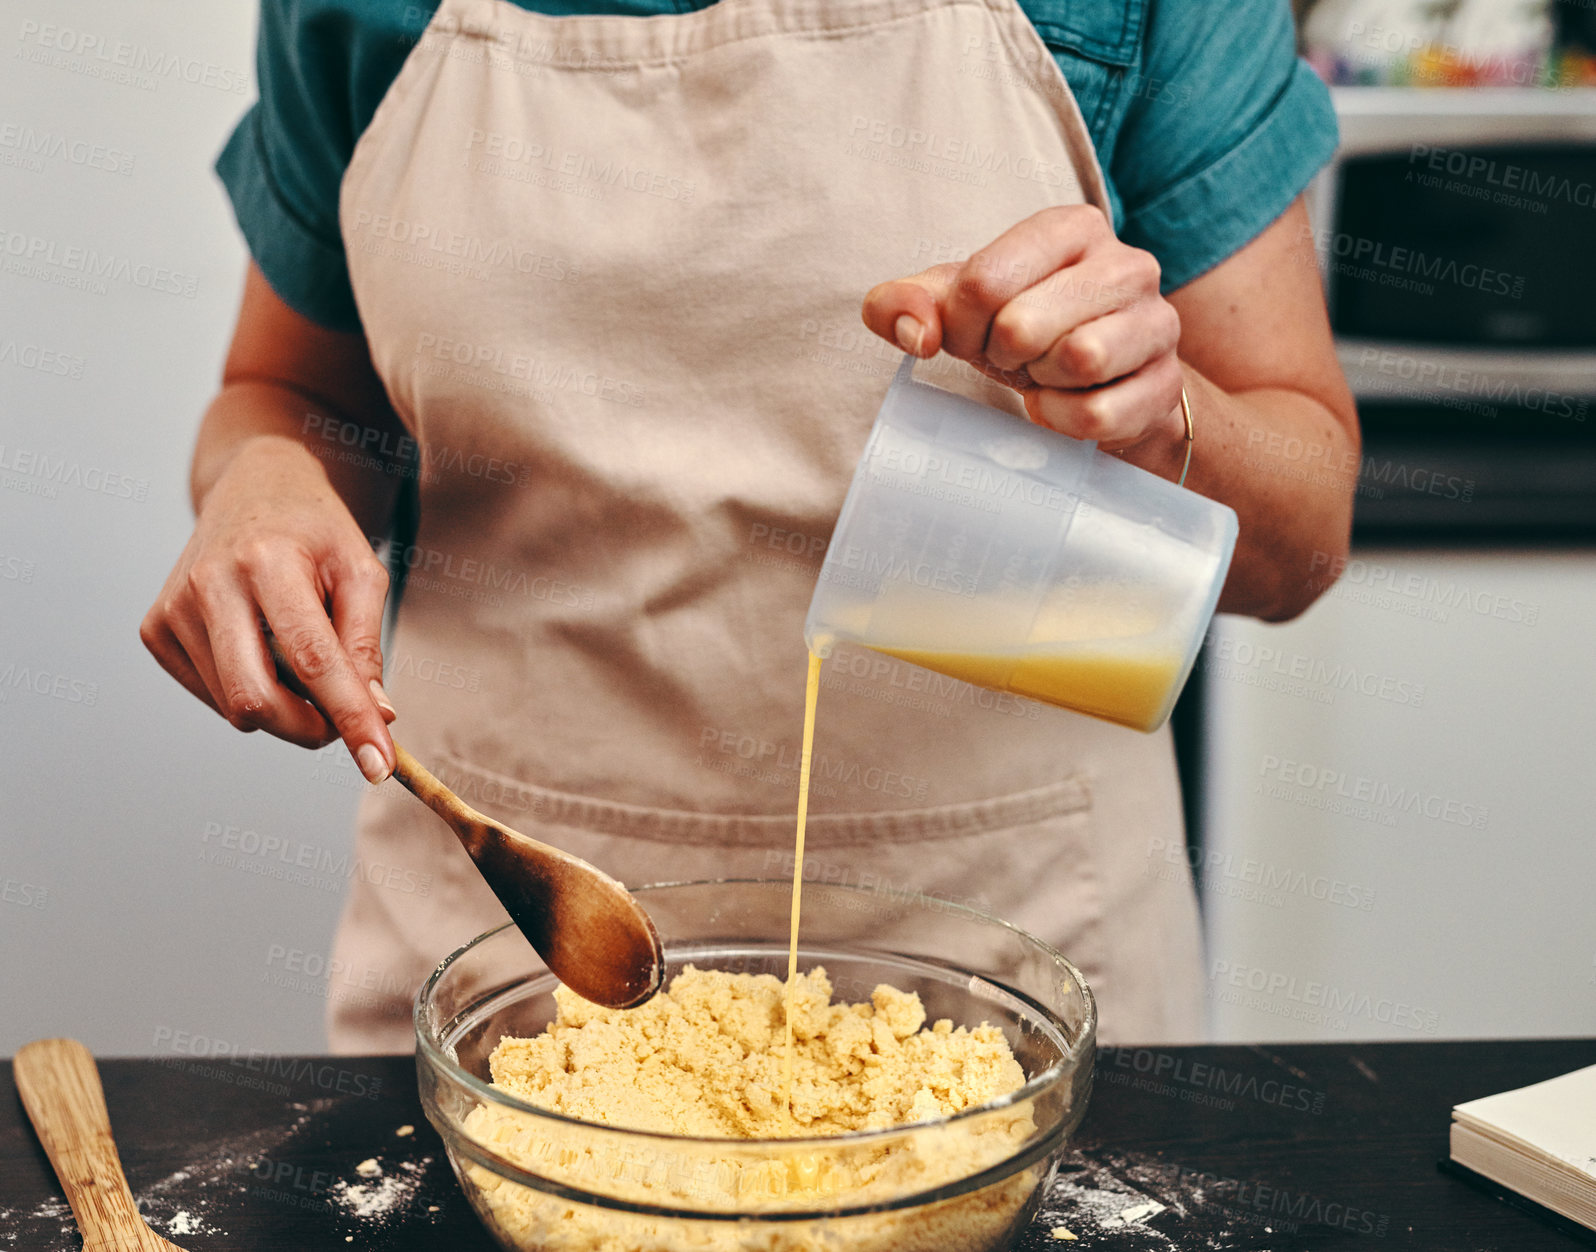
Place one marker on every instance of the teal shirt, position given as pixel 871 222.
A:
pixel 1206 123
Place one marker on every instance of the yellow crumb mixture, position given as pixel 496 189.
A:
pixel 704 1060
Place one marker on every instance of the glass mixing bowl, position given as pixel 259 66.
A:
pixel 967 1183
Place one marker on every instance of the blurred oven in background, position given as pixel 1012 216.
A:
pixel 1394 823
pixel 1457 233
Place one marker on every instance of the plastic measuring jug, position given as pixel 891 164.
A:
pixel 1016 558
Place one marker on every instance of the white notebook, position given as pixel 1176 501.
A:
pixel 1540 1141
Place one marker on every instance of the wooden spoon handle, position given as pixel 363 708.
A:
pixel 60 1088
pixel 417 779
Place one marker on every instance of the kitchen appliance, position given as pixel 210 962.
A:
pixel 1454 228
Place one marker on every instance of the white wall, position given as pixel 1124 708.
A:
pixel 1399 805
pixel 113 925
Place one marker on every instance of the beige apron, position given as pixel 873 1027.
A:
pixel 610 270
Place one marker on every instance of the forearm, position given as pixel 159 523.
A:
pixel 362 459
pixel 1288 466
pixel 281 537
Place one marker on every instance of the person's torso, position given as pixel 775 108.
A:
pixel 610 271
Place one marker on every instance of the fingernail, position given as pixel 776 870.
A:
pixel 381 697
pixel 910 334
pixel 371 763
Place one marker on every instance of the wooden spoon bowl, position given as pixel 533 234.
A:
pixel 594 936
pixel 590 930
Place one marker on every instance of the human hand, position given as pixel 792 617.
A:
pixel 1062 311
pixel 275 543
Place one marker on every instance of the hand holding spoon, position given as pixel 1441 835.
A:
pixel 593 934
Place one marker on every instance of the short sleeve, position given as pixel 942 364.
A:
pixel 284 163
pixel 1226 126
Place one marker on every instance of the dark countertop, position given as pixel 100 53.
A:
pixel 1318 1146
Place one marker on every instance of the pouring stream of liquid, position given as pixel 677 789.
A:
pixel 811 696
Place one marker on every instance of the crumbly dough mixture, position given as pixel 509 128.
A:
pixel 706 1058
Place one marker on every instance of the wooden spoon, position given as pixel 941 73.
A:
pixel 60 1088
pixel 593 934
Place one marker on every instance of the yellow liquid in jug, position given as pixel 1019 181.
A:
pixel 1120 686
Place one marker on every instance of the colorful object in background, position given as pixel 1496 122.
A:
pixel 1575 68
pixel 1440 43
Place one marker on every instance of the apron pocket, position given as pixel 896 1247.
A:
pixel 513 801
pixel 1027 858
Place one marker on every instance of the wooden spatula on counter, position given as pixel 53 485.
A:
pixel 60 1088
pixel 593 934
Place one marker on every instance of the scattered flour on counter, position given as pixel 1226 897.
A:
pixel 45 1212
pixel 184 1223
pixel 181 1202
pixel 1103 1196
pixel 1096 1201
pixel 59 1213
pixel 219 1172
pixel 1135 1213
pixel 49 1211
pixel 384 1193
